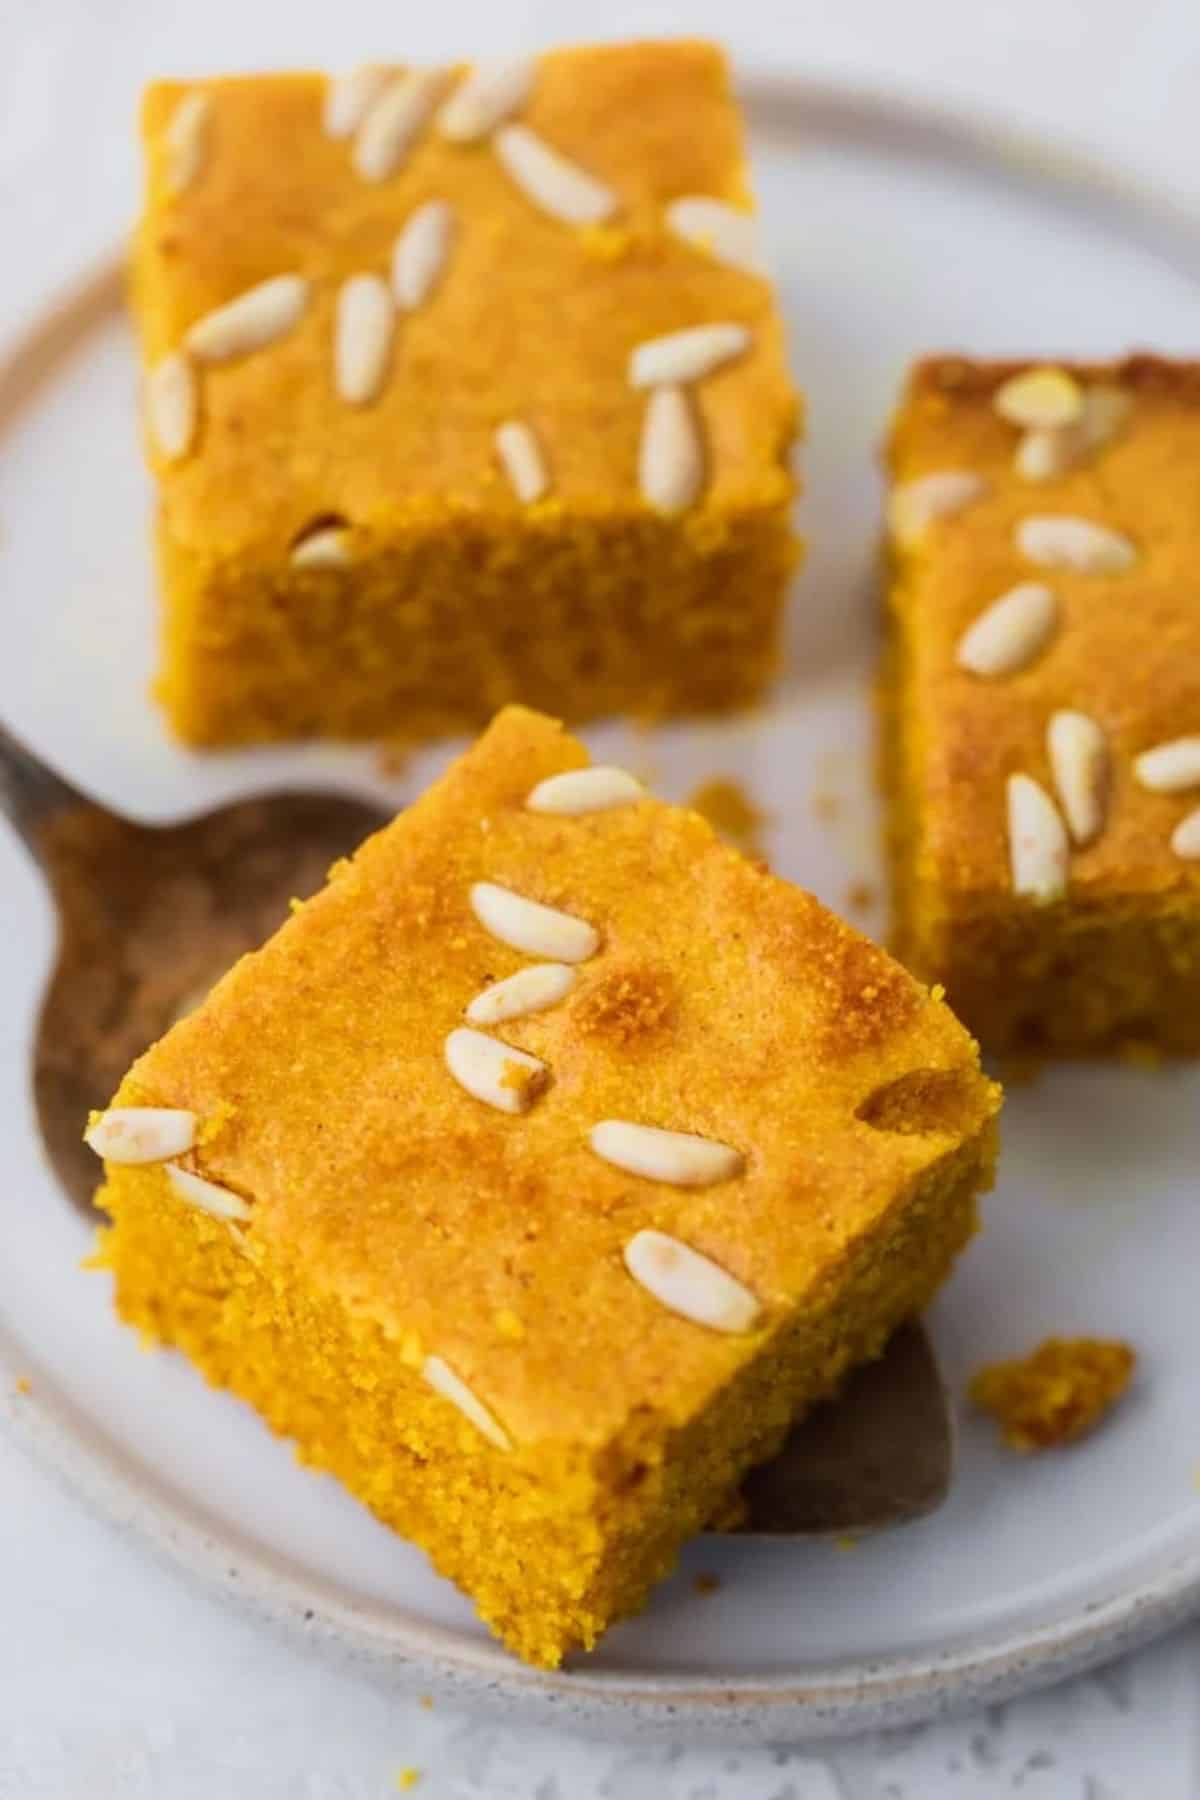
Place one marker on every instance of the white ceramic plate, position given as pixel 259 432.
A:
pixel 892 236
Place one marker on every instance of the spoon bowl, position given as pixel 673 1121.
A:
pixel 149 917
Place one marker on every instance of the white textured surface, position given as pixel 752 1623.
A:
pixel 115 1678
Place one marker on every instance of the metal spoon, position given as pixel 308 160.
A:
pixel 880 1454
pixel 150 916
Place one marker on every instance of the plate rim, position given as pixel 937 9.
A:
pixel 988 1665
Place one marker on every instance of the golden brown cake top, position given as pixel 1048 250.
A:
pixel 719 1001
pixel 1078 485
pixel 531 318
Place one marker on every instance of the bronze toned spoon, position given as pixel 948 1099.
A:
pixel 149 916
pixel 879 1454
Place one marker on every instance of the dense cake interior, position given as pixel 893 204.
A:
pixel 557 1543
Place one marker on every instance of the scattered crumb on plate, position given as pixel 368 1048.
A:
pixel 426 1701
pixel 860 896
pixel 392 757
pixel 1058 1393
pixel 24 1385
pixel 706 1582
pixel 408 1778
pixel 731 812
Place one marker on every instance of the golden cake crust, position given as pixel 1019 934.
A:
pixel 1126 651
pixel 534 320
pixel 722 1002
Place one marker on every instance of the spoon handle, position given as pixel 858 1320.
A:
pixel 30 792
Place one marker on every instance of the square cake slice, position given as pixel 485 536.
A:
pixel 1042 700
pixel 462 386
pixel 540 1170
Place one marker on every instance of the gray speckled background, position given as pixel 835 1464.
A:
pixel 120 1682
pixel 116 1679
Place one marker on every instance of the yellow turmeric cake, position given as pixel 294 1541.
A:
pixel 566 1155
pixel 1042 700
pixel 1058 1393
pixel 426 436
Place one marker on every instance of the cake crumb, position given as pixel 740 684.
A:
pixel 1057 1394
pixel 826 805
pixel 295 904
pixel 706 1582
pixel 845 1542
pixel 24 1385
pixel 860 896
pixel 426 1700
pixel 731 813
pixel 393 756
pixel 408 1778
